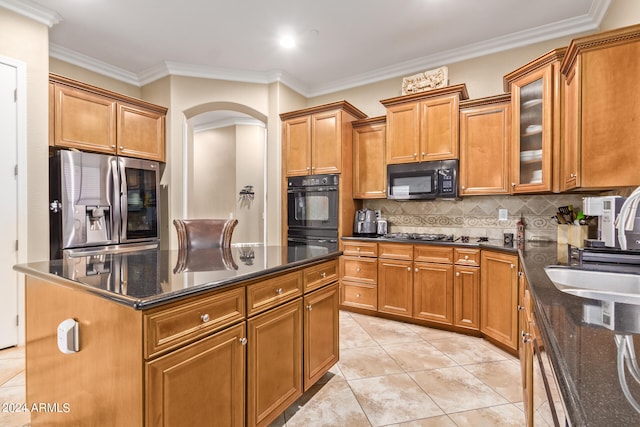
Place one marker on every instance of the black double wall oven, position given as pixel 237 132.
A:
pixel 312 211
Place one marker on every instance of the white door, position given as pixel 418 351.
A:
pixel 9 206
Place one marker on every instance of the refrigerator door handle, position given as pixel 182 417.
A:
pixel 123 200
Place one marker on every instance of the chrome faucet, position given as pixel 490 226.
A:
pixel 627 217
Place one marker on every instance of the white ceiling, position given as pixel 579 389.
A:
pixel 341 43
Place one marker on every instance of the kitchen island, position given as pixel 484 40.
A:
pixel 228 336
pixel 579 337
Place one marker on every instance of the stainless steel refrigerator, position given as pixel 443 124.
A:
pixel 101 202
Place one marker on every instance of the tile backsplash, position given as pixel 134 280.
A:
pixel 477 216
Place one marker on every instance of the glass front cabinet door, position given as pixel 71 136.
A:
pixel 535 95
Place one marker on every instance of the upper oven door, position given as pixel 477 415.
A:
pixel 312 207
pixel 412 181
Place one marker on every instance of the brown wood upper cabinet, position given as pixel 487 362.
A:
pixel 485 146
pixel 94 119
pixel 318 140
pixel 424 126
pixel 536 98
pixel 369 163
pixel 601 119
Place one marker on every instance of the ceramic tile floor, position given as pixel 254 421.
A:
pixel 390 374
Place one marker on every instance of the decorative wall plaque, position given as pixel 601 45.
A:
pixel 432 79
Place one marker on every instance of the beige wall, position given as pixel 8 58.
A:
pixel 25 40
pixel 249 171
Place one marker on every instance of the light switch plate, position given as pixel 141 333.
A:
pixel 503 214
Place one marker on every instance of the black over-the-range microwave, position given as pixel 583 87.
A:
pixel 425 180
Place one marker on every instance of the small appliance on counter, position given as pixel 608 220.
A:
pixel 382 226
pixel 365 223
pixel 606 208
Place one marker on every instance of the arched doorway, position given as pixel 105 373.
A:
pixel 225 168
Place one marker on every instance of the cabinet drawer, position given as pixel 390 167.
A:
pixel 271 292
pixel 396 251
pixel 433 253
pixel 369 249
pixel 182 323
pixel 319 275
pixel 356 269
pixel 466 256
pixel 359 295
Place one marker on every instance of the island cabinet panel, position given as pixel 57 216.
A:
pixel 90 118
pixel 321 333
pixel 102 382
pixel 200 384
pixel 485 146
pixel 433 292
pixel 269 293
pixel 499 298
pixel 184 322
pixel 320 275
pixel 274 362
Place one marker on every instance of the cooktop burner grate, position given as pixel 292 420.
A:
pixel 420 236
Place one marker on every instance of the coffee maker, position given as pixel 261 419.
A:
pixel 606 208
pixel 365 223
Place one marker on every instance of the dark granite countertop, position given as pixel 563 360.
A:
pixel 149 278
pixel 580 339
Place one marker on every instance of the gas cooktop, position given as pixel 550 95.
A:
pixel 420 236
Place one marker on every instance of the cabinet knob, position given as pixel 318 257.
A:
pixel 309 307
pixel 357 295
pixel 416 270
pixel 463 187
pixel 323 274
pixel 513 184
pixel 520 308
pixel 526 337
pixel 205 318
pixel 358 249
pixel 279 291
pixel 424 154
pixel 243 341
pixel 457 273
pixel 573 175
pixel 122 147
pixel 113 146
pixel 466 257
pixel 408 268
pixel 358 269
pixel 415 154
pixel 512 266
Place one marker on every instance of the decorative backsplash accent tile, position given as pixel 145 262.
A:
pixel 477 216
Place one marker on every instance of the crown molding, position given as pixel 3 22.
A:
pixel 32 10
pixel 589 22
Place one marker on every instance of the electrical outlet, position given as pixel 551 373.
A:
pixel 503 214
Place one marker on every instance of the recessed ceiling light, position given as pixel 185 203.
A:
pixel 287 42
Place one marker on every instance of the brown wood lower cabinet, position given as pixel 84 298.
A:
pixel 274 362
pixel 202 381
pixel 499 298
pixel 433 292
pixel 466 292
pixel 395 287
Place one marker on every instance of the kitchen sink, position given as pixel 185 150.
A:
pixel 601 285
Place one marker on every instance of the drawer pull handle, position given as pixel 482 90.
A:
pixel 205 318
pixel 323 274
pixel 279 291
pixel 243 341
pixel 309 307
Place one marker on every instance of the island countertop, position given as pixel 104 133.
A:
pixel 580 339
pixel 149 278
